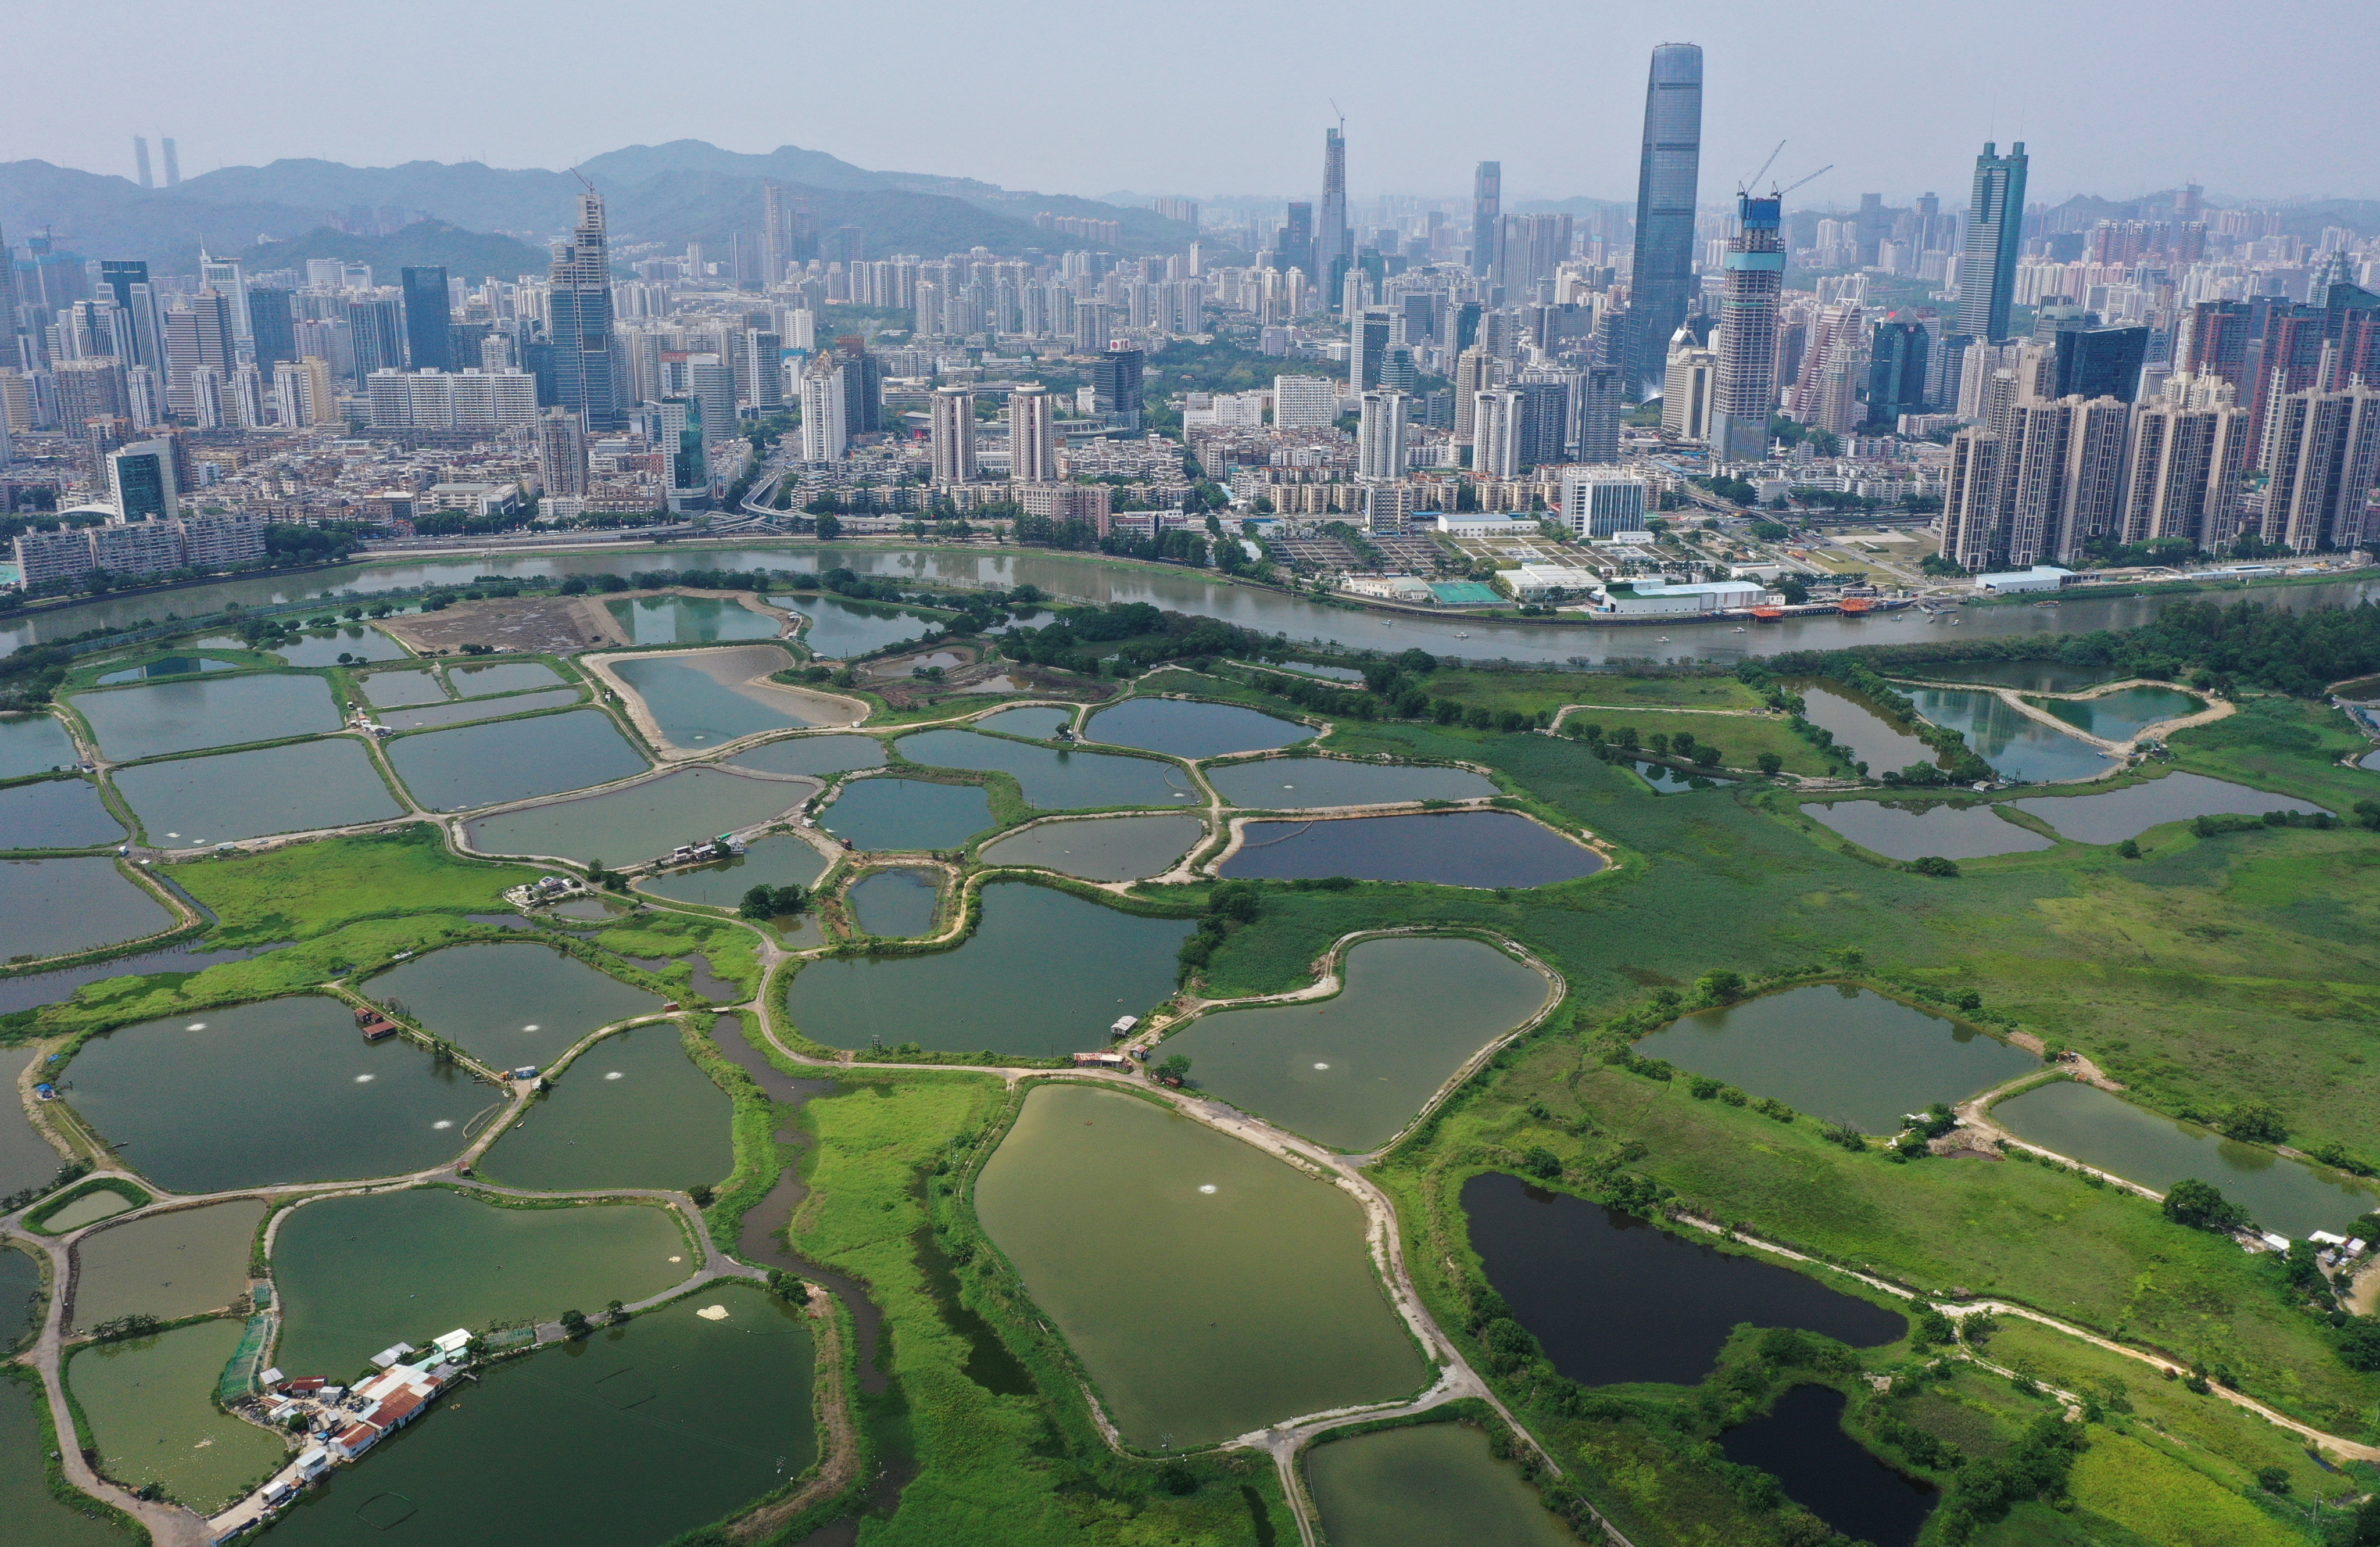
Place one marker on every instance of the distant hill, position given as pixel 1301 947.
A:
pixel 470 256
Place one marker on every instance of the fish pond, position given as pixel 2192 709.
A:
pixel 1352 1070
pixel 631 1111
pixel 187 801
pixel 2025 676
pixel 1801 1442
pixel 167 1266
pixel 840 628
pixel 429 717
pixel 87 1207
pixel 26 1502
pixel 2106 1131
pixel 511 1004
pixel 169 666
pixel 197 712
pixel 637 821
pixel 2018 747
pixel 2113 815
pixel 1212 1290
pixel 1301 783
pixel 150 1406
pixel 513 759
pixel 57 814
pixel 55 907
pixel 1037 722
pixel 710 697
pixel 26 1158
pixel 503 676
pixel 179 1097
pixel 811 757
pixel 1454 849
pixel 1044 974
pixel 778 860
pixel 896 902
pixel 58 984
pixel 1909 830
pixel 1427 1482
pixel 1051 779
pixel 1840 1053
pixel 398 689
pixel 329 646
pixel 356 1273
pixel 1667 781
pixel 2122 715
pixel 1860 726
pixel 34 743
pixel 690 620
pixel 20 1306
pixel 629 1437
pixel 1100 848
pixel 1189 728
pixel 907 814
pixel 1615 1299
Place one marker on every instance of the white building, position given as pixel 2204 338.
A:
pixel 1598 501
pixel 823 438
pixel 2040 577
pixel 464 400
pixel 1380 436
pixel 1305 402
pixel 1666 600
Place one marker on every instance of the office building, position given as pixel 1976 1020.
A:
pixel 2188 448
pixel 173 161
pixel 2101 362
pixel 680 441
pixel 140 160
pixel 1305 402
pixel 579 321
pixel 427 314
pixel 1380 435
pixel 272 326
pixel 954 435
pixel 1686 389
pixel 1994 238
pixel 1294 245
pixel 1032 435
pixel 375 333
pixel 141 481
pixel 1487 215
pixel 1116 385
pixel 1368 331
pixel 863 390
pixel 1896 361
pixel 1602 501
pixel 1331 247
pixel 823 436
pixel 1662 281
pixel 562 453
pixel 1595 411
pixel 199 334
pixel 1743 380
pixel 1495 433
pixel 222 275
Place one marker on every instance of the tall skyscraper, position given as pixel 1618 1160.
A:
pixel 1380 436
pixel 821 391
pixel 1743 378
pixel 271 325
pixel 427 314
pixel 1662 279
pixel 223 275
pixel 1293 246
pixel 1032 435
pixel 562 453
pixel 141 158
pixel 199 335
pixel 1599 390
pixel 579 305
pixel 776 233
pixel 1896 377
pixel 1486 213
pixel 1995 236
pixel 954 435
pixel 173 163
pixel 1367 347
pixel 1331 249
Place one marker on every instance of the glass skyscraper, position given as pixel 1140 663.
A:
pixel 1995 236
pixel 579 316
pixel 427 314
pixel 1663 279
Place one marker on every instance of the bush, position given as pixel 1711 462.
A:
pixel 1541 1163
pixel 1933 865
pixel 2201 1206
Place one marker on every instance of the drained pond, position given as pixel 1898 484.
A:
pixel 1301 783
pixel 1427 1482
pixel 180 1099
pixel 1186 728
pixel 1352 1069
pixel 1842 1053
pixel 1210 1290
pixel 1044 974
pixel 637 821
pixel 631 1111
pixel 503 676
pixel 1050 778
pixel 2105 1130
pixel 187 801
pixel 513 759
pixel 1909 830
pixel 1454 849
pixel 53 906
pixel 907 815
pixel 623 1439
pixel 159 718
pixel 1100 848
pixel 57 814
pixel 2114 816
pixel 512 1005
pixel 1801 1444
pixel 1615 1299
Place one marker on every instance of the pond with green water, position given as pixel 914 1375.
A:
pixel 150 1406
pixel 2119 717
pixel 1044 974
pixel 631 1111
pixel 1840 1053
pixel 57 814
pixel 2114 816
pixel 1860 726
pixel 778 860
pixel 811 757
pixel 1051 779
pixel 513 759
pixel 1352 1070
pixel 503 676
pixel 1209 1288
pixel 1301 783
pixel 712 698
pixel 168 666
pixel 2025 676
pixel 2018 747
pixel 53 907
pixel 896 902
pixel 192 801
pixel 159 718
pixel 1449 848
pixel 1909 830
pixel 26 1502
pixel 34 743
pixel 1100 848
pixel 21 1305
pixel 396 689
pixel 511 1004
pixel 1036 722
pixel 431 716
pixel 623 1439
pixel 1187 728
pixel 2087 1124
pixel 26 1158
pixel 166 1265
pixel 1429 1482
pixel 324 646
pixel 358 1273
pixel 907 815
pixel 178 1098
pixel 839 629
pixel 690 620
pixel 639 821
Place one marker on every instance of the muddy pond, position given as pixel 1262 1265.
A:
pixel 1305 783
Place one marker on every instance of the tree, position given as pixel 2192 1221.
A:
pixel 1935 865
pixel 2201 1206
pixel 1770 763
pixel 702 1194
pixel 1541 1163
pixel 829 529
pixel 574 1324
pixel 1795 592
pixel 1175 1070
pixel 2255 1121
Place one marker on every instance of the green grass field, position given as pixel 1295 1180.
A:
pixel 303 889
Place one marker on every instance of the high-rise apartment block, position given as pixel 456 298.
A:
pixel 954 435
pixel 1032 435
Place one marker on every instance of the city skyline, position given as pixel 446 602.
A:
pixel 2117 139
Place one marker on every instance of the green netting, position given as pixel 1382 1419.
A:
pixel 239 1375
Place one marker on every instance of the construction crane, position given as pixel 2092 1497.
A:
pixel 1811 179
pixel 1754 178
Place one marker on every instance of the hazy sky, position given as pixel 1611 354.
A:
pixel 2117 97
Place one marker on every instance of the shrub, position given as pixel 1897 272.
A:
pixel 2201 1206
pixel 1933 865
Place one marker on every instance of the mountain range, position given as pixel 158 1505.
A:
pixel 685 191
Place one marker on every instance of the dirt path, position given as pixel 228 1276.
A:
pixel 839 1463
